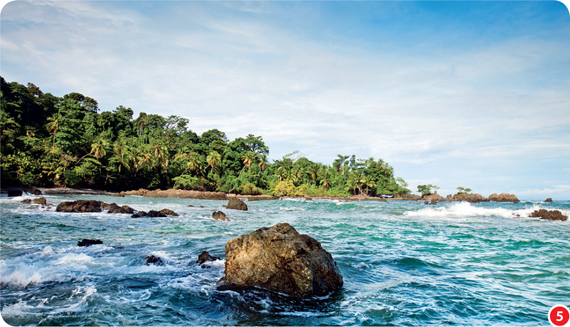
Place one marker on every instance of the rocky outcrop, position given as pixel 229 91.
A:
pixel 236 204
pixel 153 260
pixel 279 259
pixel 549 214
pixel 462 196
pixel 79 206
pixel 87 242
pixel 26 201
pixel 218 215
pixel 548 200
pixel 205 257
pixel 433 197
pixel 408 197
pixel 503 197
pixel 169 212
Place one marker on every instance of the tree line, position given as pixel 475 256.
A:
pixel 67 141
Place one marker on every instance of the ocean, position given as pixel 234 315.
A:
pixel 403 263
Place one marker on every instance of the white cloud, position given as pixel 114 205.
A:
pixel 248 74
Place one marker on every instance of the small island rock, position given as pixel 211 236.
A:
pixel 237 204
pixel 549 214
pixel 279 259
pixel 548 200
pixel 504 197
pixel 219 215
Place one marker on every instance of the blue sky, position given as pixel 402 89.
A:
pixel 452 93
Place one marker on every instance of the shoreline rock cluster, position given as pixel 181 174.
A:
pixel 99 206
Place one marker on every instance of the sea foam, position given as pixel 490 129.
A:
pixel 466 209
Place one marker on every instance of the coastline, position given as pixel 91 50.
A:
pixel 208 195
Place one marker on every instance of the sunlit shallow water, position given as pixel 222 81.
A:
pixel 403 263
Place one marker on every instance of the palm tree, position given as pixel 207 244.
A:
pixel 340 163
pixel 213 159
pixel 262 162
pixel 326 178
pixel 99 148
pixel 248 158
pixel 193 162
pixel 53 126
pixel 313 171
pixel 122 156
pixel 369 182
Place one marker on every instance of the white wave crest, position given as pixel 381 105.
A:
pixel 466 209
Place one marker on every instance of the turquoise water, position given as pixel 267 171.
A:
pixel 403 263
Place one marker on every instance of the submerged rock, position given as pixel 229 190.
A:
pixel 155 214
pixel 549 214
pixel 86 242
pixel 279 259
pixel 152 260
pixel 40 201
pixel 237 204
pixel 26 201
pixel 169 212
pixel 205 257
pixel 139 214
pixel 152 214
pixel 218 215
pixel 80 206
pixel 114 208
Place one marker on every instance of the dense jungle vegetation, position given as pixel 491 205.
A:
pixel 66 141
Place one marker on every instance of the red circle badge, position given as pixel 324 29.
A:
pixel 558 315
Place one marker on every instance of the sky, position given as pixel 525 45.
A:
pixel 453 93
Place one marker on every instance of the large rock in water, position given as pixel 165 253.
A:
pixel 278 258
pixel 549 214
pixel 462 196
pixel 218 215
pixel 237 204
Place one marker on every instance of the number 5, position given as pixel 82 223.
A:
pixel 559 316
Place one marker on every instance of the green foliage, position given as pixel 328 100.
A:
pixel 187 182
pixel 67 141
pixel 286 188
pixel 71 178
pixel 425 189
pixel 248 189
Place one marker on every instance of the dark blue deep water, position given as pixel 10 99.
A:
pixel 403 263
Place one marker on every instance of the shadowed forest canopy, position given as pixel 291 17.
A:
pixel 67 141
